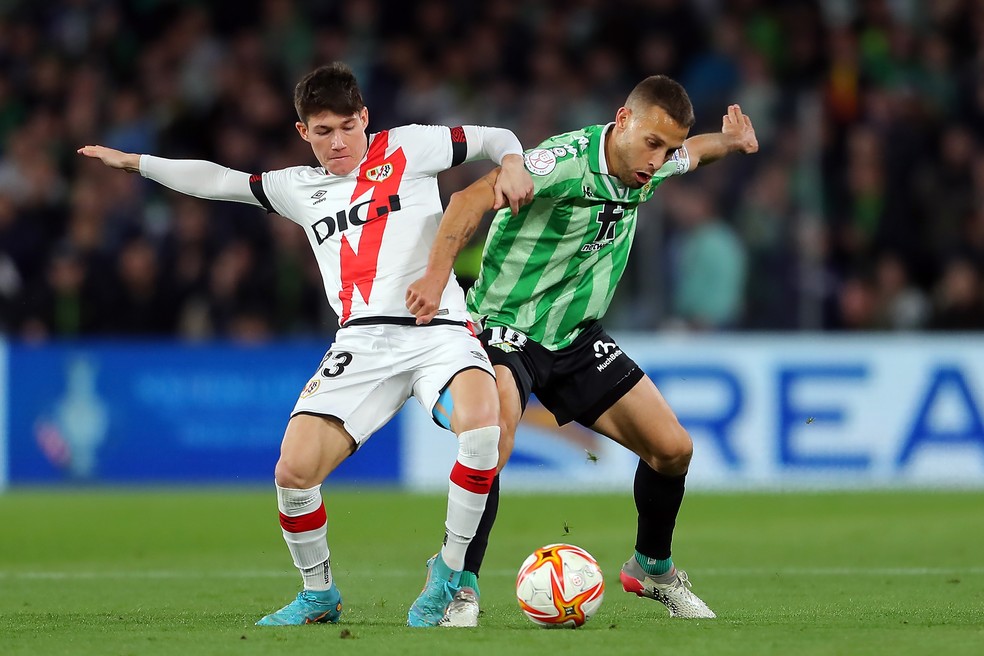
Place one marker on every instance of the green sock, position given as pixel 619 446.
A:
pixel 469 580
pixel 654 566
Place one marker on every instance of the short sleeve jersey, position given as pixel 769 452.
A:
pixel 551 269
pixel 372 230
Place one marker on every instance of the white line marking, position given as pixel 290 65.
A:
pixel 840 571
pixel 499 573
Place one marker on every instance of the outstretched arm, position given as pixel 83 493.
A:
pixel 461 219
pixel 736 136
pixel 189 176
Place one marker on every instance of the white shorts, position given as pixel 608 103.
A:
pixel 371 371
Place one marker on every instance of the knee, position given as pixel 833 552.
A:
pixel 294 475
pixel 477 414
pixel 671 455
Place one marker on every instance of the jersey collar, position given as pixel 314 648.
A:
pixel 596 152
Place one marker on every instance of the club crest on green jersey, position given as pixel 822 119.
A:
pixel 542 161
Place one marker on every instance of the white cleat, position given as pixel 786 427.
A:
pixel 674 592
pixel 462 611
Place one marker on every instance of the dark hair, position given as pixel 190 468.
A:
pixel 331 88
pixel 667 93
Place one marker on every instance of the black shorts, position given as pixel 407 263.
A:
pixel 579 382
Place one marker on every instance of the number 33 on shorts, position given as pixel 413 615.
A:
pixel 371 371
pixel 333 365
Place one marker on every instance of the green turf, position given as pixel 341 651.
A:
pixel 137 572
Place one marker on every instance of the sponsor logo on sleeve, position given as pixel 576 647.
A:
pixel 540 161
pixel 681 161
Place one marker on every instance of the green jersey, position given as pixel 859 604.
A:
pixel 551 269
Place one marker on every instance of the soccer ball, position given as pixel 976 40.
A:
pixel 560 585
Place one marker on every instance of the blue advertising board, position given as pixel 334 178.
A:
pixel 770 412
pixel 765 412
pixel 4 401
pixel 152 413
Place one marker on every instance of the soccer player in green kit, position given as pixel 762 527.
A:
pixel 548 274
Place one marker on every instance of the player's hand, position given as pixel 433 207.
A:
pixel 738 128
pixel 514 184
pixel 111 157
pixel 424 297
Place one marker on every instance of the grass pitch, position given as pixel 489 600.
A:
pixel 187 572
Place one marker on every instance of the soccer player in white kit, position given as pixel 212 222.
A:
pixel 371 212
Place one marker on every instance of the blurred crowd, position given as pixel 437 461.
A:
pixel 864 209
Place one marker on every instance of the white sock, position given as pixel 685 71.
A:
pixel 471 478
pixel 305 528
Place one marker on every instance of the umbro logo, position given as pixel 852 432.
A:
pixel 319 196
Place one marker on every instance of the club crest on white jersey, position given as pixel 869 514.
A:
pixel 380 173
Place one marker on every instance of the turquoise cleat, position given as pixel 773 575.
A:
pixel 310 607
pixel 439 590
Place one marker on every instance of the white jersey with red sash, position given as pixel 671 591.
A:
pixel 372 230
